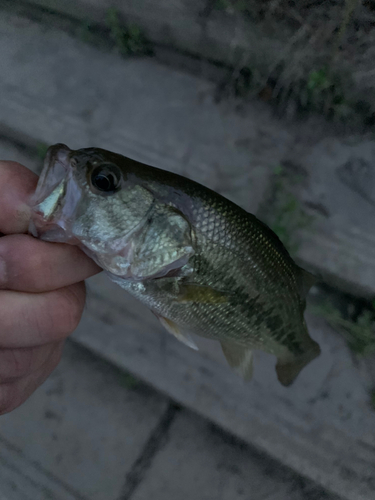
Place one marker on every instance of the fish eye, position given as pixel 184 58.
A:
pixel 106 178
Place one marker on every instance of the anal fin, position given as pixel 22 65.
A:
pixel 239 358
pixel 175 330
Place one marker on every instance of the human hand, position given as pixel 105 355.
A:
pixel 42 293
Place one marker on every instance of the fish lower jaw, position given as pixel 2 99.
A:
pixel 50 231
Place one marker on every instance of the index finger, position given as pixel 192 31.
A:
pixel 17 184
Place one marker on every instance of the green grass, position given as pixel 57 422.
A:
pixel 236 5
pixel 127 381
pixel 41 150
pixel 372 399
pixel 359 333
pixel 85 32
pixel 303 81
pixel 287 215
pixel 322 92
pixel 128 39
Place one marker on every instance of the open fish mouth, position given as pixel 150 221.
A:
pixel 55 200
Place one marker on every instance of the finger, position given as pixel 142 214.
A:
pixel 29 320
pixel 13 394
pixel 17 184
pixel 19 363
pixel 31 265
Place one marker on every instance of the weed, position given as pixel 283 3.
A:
pixel 85 32
pixel 358 331
pixel 310 75
pixel 322 92
pixel 41 150
pixel 372 399
pixel 232 5
pixel 127 381
pixel 128 39
pixel 287 215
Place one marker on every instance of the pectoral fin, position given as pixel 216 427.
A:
pixel 239 358
pixel 175 330
pixel 191 292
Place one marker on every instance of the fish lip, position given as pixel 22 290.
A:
pixel 58 152
pixel 57 169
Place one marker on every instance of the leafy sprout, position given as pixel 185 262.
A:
pixel 41 150
pixel 359 333
pixel 128 39
pixel 127 381
pixel 287 216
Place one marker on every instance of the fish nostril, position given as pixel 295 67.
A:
pixel 58 153
pixel 62 156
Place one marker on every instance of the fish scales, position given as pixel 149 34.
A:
pixel 198 261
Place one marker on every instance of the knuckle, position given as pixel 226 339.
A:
pixel 74 301
pixel 61 314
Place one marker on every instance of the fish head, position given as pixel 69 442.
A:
pixel 89 198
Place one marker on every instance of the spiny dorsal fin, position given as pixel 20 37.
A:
pixel 239 358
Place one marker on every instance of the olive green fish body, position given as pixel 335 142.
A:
pixel 198 261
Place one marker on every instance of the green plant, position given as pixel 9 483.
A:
pixel 323 93
pixel 359 333
pixel 128 39
pixel 287 215
pixel 127 381
pixel 85 32
pixel 234 5
pixel 311 73
pixel 372 399
pixel 41 150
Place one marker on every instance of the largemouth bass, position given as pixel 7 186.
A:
pixel 198 261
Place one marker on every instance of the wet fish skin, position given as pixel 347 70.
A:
pixel 197 260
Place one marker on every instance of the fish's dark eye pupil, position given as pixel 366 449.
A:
pixel 104 182
pixel 106 178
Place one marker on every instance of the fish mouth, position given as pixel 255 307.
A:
pixel 55 200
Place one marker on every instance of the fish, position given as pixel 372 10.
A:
pixel 199 262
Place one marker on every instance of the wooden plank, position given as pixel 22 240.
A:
pixel 21 479
pixel 193 26
pixel 322 426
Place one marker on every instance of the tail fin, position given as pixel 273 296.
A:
pixel 287 368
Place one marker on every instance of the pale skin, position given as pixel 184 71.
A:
pixel 42 292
